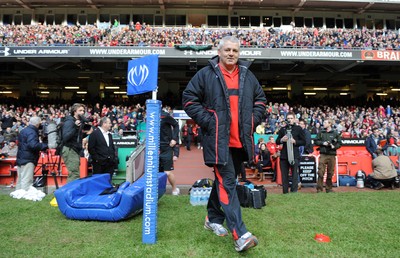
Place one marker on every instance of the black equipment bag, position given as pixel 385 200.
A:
pixel 244 195
pixel 263 194
pixel 255 198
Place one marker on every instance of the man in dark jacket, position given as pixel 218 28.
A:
pixel 101 148
pixel 72 135
pixel 375 141
pixel 308 148
pixel 227 102
pixel 7 120
pixel 169 133
pixel 29 148
pixel 328 141
pixel 291 137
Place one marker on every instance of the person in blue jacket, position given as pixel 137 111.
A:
pixel 28 154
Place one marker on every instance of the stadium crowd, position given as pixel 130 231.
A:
pixel 354 121
pixel 143 35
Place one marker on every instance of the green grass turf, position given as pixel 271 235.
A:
pixel 362 224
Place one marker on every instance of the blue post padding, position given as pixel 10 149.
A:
pixel 81 199
pixel 149 227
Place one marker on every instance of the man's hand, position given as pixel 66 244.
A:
pixel 172 143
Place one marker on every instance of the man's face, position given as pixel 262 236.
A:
pixel 302 124
pixel 290 119
pixel 326 124
pixel 229 54
pixel 106 125
pixel 80 111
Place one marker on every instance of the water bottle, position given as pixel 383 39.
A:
pixel 204 197
pixel 193 196
pixel 201 196
pixel 197 194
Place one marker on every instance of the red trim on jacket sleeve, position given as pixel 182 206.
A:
pixel 188 103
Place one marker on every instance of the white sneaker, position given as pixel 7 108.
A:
pixel 245 242
pixel 218 229
pixel 176 192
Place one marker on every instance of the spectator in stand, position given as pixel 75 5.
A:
pixel 28 153
pixel 138 26
pixel 316 129
pixel 7 120
pixel 11 148
pixel 307 148
pixel 257 146
pixel 263 160
pixel 375 141
pixel 268 129
pixel 381 111
pixel 389 111
pixel 9 134
pixel 261 128
pixel 272 122
pixel 384 172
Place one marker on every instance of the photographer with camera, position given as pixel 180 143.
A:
pixel 328 140
pixel 72 135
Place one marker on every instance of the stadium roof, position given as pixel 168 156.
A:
pixel 356 6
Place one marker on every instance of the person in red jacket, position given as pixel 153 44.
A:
pixel 213 99
pixel 275 151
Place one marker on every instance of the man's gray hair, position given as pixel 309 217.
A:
pixel 232 39
pixel 103 120
pixel 35 120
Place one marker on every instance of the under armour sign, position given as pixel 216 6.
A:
pixel 142 75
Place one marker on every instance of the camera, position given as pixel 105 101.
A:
pixel 84 120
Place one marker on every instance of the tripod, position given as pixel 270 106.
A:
pixel 52 166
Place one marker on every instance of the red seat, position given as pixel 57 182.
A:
pixel 346 135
